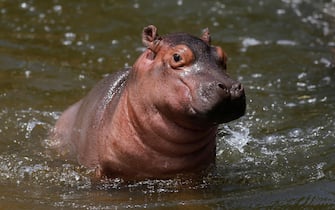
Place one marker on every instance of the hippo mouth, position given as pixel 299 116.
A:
pixel 223 112
pixel 215 108
pixel 227 111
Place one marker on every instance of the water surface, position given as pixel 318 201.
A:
pixel 280 154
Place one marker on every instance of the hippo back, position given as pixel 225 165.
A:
pixel 91 114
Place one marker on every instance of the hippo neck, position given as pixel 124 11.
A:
pixel 142 135
pixel 164 135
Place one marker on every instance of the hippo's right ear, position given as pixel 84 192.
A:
pixel 206 36
pixel 150 37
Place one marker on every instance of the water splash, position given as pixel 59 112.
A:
pixel 236 136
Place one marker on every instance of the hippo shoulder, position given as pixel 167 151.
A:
pixel 105 93
pixel 112 85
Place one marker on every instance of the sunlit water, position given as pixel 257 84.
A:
pixel 280 154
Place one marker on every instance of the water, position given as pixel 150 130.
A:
pixel 280 154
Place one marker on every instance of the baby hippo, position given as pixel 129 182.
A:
pixel 158 118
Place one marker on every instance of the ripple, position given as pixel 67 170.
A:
pixel 69 38
pixel 20 170
pixel 249 42
pixel 286 42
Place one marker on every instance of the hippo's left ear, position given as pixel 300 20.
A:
pixel 206 36
pixel 150 37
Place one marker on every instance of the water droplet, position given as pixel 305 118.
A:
pixel 27 73
pixel 69 38
pixel 250 42
pixel 57 8
pixel 70 35
pixel 291 105
pixel 311 100
pixel 47 28
pixel 115 41
pixel 324 99
pixel 281 11
pixel 256 75
pixel 247 42
pixel 81 77
pixel 294 133
pixel 286 42
pixel 41 15
pixel 79 43
pixel 302 75
pixel 301 84
pixel 24 5
pixel 101 59
pixel 136 5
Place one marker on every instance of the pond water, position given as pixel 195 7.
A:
pixel 280 154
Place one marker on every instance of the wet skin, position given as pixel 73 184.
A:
pixel 158 118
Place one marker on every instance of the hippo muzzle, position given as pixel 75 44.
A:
pixel 229 103
pixel 220 101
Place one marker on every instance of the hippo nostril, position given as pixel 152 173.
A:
pixel 237 90
pixel 237 87
pixel 224 88
pixel 221 86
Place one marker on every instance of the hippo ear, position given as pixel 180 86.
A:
pixel 150 37
pixel 206 36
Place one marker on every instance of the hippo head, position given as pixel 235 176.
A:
pixel 185 78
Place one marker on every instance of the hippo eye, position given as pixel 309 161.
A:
pixel 177 57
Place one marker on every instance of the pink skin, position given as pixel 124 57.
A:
pixel 148 121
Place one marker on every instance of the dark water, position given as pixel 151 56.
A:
pixel 281 154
